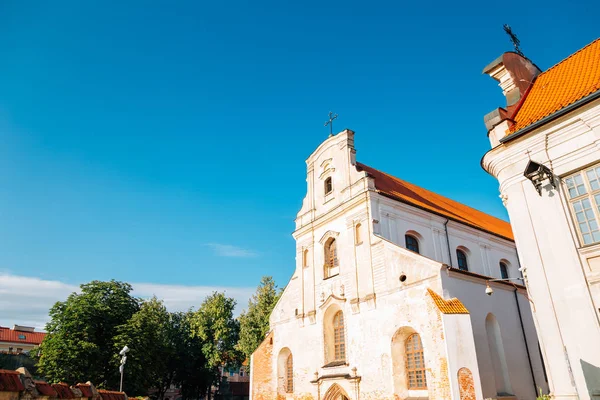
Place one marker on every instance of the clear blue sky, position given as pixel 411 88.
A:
pixel 164 142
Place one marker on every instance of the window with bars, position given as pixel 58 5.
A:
pixel 583 190
pixel 339 338
pixel 289 374
pixel 503 270
pixel 415 363
pixel 461 256
pixel 411 243
pixel 331 259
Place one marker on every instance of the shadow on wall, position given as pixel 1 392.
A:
pixel 591 373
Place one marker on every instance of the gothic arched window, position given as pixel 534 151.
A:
pixel 339 337
pixel 412 243
pixel 415 362
pixel 462 260
pixel 289 374
pixel 503 270
pixel 328 185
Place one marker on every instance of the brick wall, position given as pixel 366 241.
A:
pixel 261 372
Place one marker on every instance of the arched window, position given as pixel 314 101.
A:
pixel 289 374
pixel 328 185
pixel 462 260
pixel 357 238
pixel 503 270
pixel 331 259
pixel 339 337
pixel 411 243
pixel 305 258
pixel 415 363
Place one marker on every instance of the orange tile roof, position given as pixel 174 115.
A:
pixel 433 202
pixel 452 306
pixel 572 79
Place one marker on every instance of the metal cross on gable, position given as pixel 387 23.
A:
pixel 330 122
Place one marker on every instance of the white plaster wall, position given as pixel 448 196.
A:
pixel 557 266
pixel 503 305
pixel 484 250
pixel 460 346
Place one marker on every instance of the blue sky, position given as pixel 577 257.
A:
pixel 164 142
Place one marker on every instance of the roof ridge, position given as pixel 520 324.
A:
pixel 431 191
pixel 570 56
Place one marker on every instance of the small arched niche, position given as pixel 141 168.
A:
pixel 494 337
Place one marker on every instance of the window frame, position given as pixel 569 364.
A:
pixel 332 261
pixel 460 251
pixel 503 271
pixel 413 237
pixel 328 186
pixel 409 355
pixel 590 194
pixel 339 337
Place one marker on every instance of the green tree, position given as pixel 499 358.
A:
pixel 254 322
pixel 191 372
pixel 215 326
pixel 151 338
pixel 80 341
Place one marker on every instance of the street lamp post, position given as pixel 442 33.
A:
pixel 123 355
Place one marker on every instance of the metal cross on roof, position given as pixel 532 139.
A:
pixel 514 39
pixel 330 122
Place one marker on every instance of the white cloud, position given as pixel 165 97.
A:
pixel 26 300
pixel 228 250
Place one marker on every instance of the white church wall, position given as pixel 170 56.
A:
pixel 461 351
pixel 502 304
pixel 484 251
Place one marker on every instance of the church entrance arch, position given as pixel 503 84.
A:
pixel 335 392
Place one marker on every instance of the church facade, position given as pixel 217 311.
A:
pixel 388 298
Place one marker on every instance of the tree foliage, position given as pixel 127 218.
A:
pixel 254 322
pixel 215 326
pixel 80 341
pixel 151 343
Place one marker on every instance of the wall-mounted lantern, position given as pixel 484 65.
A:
pixel 537 174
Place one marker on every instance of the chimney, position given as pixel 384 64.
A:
pixel 515 74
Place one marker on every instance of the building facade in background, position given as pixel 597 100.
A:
pixel 19 339
pixel 388 298
pixel 546 156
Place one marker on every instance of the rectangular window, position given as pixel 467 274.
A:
pixel 584 200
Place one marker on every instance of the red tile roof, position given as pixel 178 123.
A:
pixel 45 389
pixel 111 395
pixel 414 195
pixel 10 381
pixel 10 335
pixel 63 391
pixel 572 79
